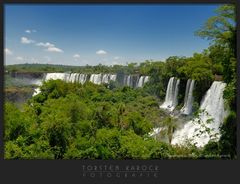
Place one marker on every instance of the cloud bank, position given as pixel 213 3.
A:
pixel 101 52
pixel 50 47
pixel 25 40
pixel 8 51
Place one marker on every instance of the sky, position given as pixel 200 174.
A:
pixel 106 34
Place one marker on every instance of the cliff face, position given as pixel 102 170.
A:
pixel 29 75
pixel 18 95
pixel 218 77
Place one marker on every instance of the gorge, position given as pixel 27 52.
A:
pixel 212 110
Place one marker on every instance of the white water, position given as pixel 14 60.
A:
pixel 55 76
pixel 142 80
pixel 171 95
pixel 129 80
pixel 146 79
pixel 159 133
pixel 82 78
pixel 73 77
pixel 96 78
pixel 102 78
pixel 36 91
pixel 105 78
pixel 49 76
pixel 188 99
pixel 113 77
pixel 155 132
pixel 213 106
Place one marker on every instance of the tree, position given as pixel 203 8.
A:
pixel 221 29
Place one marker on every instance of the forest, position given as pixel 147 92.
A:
pixel 70 120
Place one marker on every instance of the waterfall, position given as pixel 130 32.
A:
pixel 96 78
pixel 171 96
pixel 211 116
pixel 105 78
pixel 129 80
pixel 188 99
pixel 55 76
pixel 73 77
pixel 82 78
pixel 146 79
pixel 155 132
pixel 113 77
pixel 140 81
pixel 36 91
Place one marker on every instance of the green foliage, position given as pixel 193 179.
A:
pixel 222 27
pixel 69 120
pixel 228 140
pixel 15 122
pixel 133 146
pixel 75 121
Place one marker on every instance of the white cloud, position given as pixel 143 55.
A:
pixel 30 31
pixel 19 58
pixel 47 44
pixel 76 57
pixel 50 47
pixel 8 51
pixel 116 57
pixel 101 52
pixel 25 40
pixel 54 49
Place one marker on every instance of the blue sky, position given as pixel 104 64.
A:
pixel 107 34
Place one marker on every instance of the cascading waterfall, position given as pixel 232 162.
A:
pixel 142 80
pixel 129 80
pixel 212 114
pixel 96 78
pixel 52 76
pixel 113 77
pixel 73 77
pixel 188 99
pixel 146 79
pixel 171 96
pixel 155 132
pixel 82 78
pixel 55 76
pixel 105 78
pixel 36 91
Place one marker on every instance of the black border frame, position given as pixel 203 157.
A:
pixel 70 171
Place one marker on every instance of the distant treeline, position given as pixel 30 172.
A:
pixel 44 68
